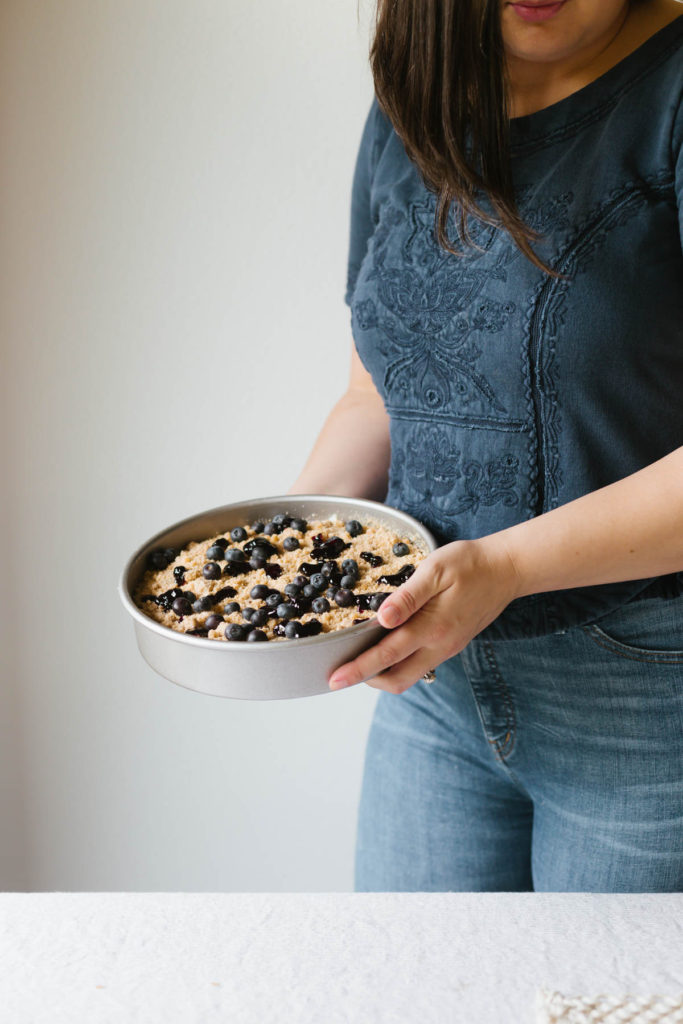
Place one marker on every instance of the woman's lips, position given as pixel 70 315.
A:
pixel 537 12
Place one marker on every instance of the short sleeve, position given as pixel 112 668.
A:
pixel 374 132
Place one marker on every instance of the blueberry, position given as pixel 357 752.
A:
pixel 300 580
pixel 259 592
pixel 328 568
pixel 230 608
pixel 215 553
pixel 247 613
pixel 234 555
pixel 395 579
pixel 274 598
pixel 238 534
pixel 290 543
pixel 371 559
pixel 348 582
pixel 221 542
pixel 170 554
pixel 211 571
pixel 257 527
pixel 157 560
pixel 250 546
pixel 181 606
pixel 256 562
pixel 293 589
pixel 235 632
pixel 285 611
pixel 270 528
pixel 331 548
pixel 256 635
pixel 344 598
pixel 318 581
pixel 190 596
pixel 400 549
pixel 353 528
pixel 258 552
pixel 320 605
pixel 202 604
pixel 235 568
pixel 259 617
pixel 295 628
pixel 300 525
pixel 330 593
pixel 376 600
pixel 310 591
pixel 282 519
pixel 350 566
pixel 213 622
pixel 166 599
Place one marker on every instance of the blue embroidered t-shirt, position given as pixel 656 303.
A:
pixel 511 392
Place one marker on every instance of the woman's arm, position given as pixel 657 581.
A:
pixel 351 454
pixel 629 530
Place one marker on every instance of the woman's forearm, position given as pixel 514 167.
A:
pixel 631 529
pixel 351 454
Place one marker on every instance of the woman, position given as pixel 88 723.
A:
pixel 515 277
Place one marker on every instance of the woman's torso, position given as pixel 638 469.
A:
pixel 511 392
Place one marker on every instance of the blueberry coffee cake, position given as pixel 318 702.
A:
pixel 281 579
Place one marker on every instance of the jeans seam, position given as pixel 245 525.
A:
pixel 504 694
pixel 656 659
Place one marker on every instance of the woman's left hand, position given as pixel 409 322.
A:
pixel 454 593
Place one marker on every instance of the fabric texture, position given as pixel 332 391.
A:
pixel 547 764
pixel 555 1008
pixel 511 392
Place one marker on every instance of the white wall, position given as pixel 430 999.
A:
pixel 175 191
pixel 12 849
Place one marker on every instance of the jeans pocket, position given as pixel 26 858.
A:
pixel 650 629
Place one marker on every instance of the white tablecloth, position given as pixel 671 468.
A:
pixel 323 958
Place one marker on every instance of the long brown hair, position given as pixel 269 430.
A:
pixel 439 73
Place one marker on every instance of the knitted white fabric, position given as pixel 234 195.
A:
pixel 556 1008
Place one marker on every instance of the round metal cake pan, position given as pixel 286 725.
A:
pixel 277 670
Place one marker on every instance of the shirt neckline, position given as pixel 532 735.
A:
pixel 571 112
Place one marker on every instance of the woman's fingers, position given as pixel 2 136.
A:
pixel 412 595
pixel 406 673
pixel 454 594
pixel 395 647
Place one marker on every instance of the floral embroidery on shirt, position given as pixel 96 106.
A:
pixel 488 484
pixel 420 246
pixel 429 463
pixel 430 310
pixel 430 481
pixel 549 215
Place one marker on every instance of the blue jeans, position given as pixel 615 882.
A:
pixel 552 764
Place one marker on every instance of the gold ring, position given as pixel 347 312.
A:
pixel 429 676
